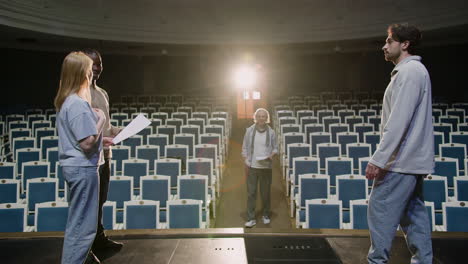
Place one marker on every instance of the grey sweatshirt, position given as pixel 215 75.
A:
pixel 407 137
pixel 247 148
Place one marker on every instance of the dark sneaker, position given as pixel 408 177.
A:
pixel 107 244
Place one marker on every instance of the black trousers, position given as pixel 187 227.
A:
pixel 104 177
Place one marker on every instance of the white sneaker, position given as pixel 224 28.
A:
pixel 266 220
pixel 250 223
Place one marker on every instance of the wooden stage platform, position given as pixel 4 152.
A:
pixel 231 245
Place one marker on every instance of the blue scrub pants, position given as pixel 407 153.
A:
pixel 83 183
pixel 398 200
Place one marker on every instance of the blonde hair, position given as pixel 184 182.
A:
pixel 74 78
pixel 261 109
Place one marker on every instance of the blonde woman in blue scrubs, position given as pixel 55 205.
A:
pixel 79 129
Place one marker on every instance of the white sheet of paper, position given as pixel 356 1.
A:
pixel 133 128
pixel 262 158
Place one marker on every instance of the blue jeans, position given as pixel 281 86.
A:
pixel 83 183
pixel 395 200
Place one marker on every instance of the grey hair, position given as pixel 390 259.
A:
pixel 258 110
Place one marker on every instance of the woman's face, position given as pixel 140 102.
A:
pixel 89 77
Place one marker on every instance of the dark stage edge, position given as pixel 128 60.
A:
pixel 231 245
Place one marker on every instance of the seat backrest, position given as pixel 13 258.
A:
pixel 185 139
pixel 435 190
pixel 431 213
pixel 109 217
pixel 338 166
pixel 34 169
pixel 22 143
pixel 207 151
pixel 455 216
pixel 351 187
pixel 135 168
pixel 336 129
pixel 133 142
pixel 41 190
pixel 201 166
pixel 8 170
pixel 324 213
pixel 9 191
pixel 194 187
pixel 297 150
pixel 149 153
pixel 211 138
pixel 168 167
pixel 14 217
pixel 326 150
pixel 345 138
pixel 167 130
pixel 142 214
pixel 51 216
pixel 454 150
pixel 447 167
pixel 120 189
pixel 160 140
pixel 313 186
pixel 177 151
pixel 358 214
pixel 184 213
pixel 318 138
pixel 305 165
pixel 157 188
pixel 461 188
pixel 358 150
pixel 46 143
pixel 25 155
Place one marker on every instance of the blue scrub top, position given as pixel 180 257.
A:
pixel 76 120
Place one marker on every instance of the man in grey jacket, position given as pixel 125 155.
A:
pixel 258 149
pixel 405 154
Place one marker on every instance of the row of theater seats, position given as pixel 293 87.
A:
pixel 23 133
pixel 328 213
pixel 172 101
pixel 136 183
pixel 333 143
pixel 326 101
pixel 187 162
pixel 136 214
pixel 349 188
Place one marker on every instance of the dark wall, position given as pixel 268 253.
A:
pixel 31 77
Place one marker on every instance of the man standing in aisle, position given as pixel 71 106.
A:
pixel 258 149
pixel 100 99
pixel 405 154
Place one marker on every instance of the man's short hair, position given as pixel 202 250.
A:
pixel 405 32
pixel 89 51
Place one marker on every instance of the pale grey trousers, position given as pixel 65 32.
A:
pixel 397 200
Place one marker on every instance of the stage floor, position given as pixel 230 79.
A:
pixel 230 245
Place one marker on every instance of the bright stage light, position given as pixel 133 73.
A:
pixel 245 77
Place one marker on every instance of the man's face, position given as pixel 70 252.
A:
pixel 97 66
pixel 392 49
pixel 262 118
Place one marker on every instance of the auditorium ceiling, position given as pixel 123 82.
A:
pixel 178 26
